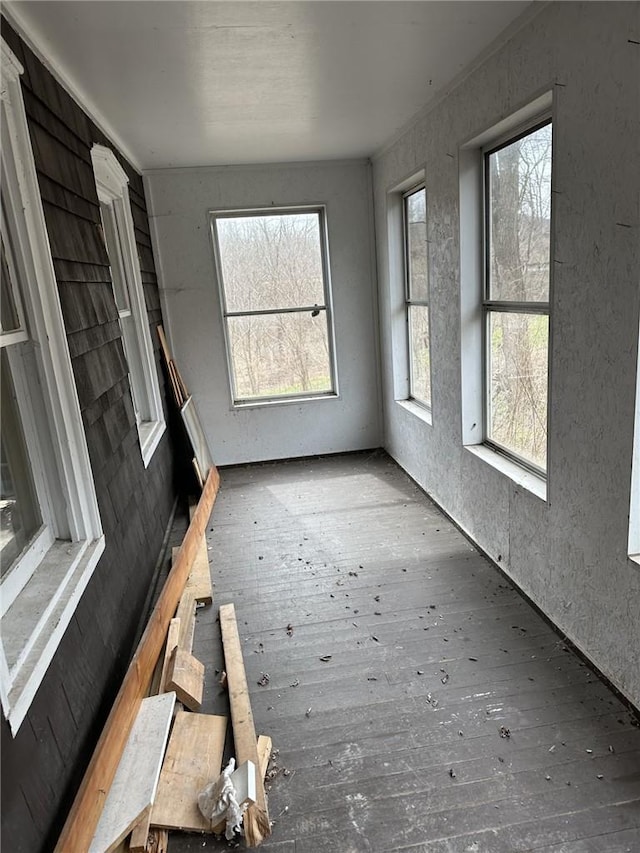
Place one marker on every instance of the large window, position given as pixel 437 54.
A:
pixel 117 223
pixel 50 532
pixel 517 182
pixel 417 293
pixel 274 285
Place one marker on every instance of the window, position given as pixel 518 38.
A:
pixel 517 226
pixel 50 532
pixel 417 293
pixel 119 235
pixel 274 285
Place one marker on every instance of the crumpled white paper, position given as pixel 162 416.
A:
pixel 219 801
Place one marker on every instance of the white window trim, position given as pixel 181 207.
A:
pixel 112 185
pixel 306 396
pixel 471 177
pixel 408 301
pixel 398 300
pixel 31 633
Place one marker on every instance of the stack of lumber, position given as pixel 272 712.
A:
pixel 154 757
pixel 179 389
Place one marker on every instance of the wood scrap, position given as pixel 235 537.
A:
pixel 177 393
pixel 193 759
pixel 83 817
pixel 173 635
pixel 158 841
pixel 185 677
pixel 186 613
pixel 265 746
pixel 199 581
pixel 140 834
pixel 256 819
pixel 197 471
pixel 134 785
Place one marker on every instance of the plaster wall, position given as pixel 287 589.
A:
pixel 568 552
pixel 180 200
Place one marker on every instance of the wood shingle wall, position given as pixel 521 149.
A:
pixel 43 764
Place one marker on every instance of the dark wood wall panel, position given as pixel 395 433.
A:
pixel 44 763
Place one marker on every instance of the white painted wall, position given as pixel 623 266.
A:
pixel 568 553
pixel 179 201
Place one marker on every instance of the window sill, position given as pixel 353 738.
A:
pixel 31 633
pixel 416 409
pixel 635 558
pixel 519 475
pixel 150 433
pixel 283 401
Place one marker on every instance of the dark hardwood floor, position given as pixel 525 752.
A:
pixel 416 702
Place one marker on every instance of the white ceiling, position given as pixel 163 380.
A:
pixel 208 83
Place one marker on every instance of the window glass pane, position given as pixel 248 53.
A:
pixel 115 252
pixel 19 511
pixel 416 224
pixel 518 352
pixel 280 354
pixel 419 353
pixel 519 211
pixel 271 262
pixel 8 311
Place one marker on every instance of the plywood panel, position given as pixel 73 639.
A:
pixel 194 758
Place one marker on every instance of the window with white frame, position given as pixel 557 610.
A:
pixel 515 305
pixel 414 224
pixel 117 222
pixel 273 274
pixel 50 531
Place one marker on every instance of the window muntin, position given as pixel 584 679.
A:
pixel 120 242
pixel 417 294
pixel 517 176
pixel 273 275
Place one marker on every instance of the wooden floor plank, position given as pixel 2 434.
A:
pixel 321 555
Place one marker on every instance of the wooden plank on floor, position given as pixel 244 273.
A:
pixel 194 758
pixel 185 677
pixel 173 635
pixel 186 613
pixel 140 834
pixel 83 818
pixel 256 818
pixel 134 786
pixel 199 582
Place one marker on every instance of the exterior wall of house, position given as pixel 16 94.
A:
pixel 44 763
pixel 179 202
pixel 568 552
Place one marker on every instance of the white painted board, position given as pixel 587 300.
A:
pixel 134 787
